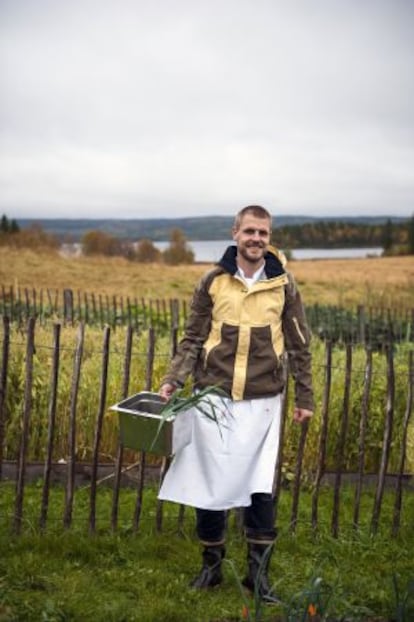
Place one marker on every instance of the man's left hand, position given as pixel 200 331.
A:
pixel 301 414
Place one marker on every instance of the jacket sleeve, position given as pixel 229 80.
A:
pixel 297 341
pixel 196 332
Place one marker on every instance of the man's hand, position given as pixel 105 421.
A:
pixel 301 414
pixel 166 391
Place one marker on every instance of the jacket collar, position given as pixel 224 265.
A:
pixel 273 262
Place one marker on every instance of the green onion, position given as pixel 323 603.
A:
pixel 200 400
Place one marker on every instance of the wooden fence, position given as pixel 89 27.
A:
pixel 72 307
pixel 119 467
pixel 364 324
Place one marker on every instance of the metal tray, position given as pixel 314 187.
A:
pixel 139 423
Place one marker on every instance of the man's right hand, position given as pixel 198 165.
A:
pixel 166 391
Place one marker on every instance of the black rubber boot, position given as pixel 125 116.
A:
pixel 210 573
pixel 257 581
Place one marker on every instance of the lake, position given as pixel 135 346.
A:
pixel 212 250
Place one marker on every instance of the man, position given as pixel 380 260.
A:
pixel 245 314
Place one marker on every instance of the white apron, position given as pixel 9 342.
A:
pixel 224 465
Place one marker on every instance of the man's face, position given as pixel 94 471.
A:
pixel 252 237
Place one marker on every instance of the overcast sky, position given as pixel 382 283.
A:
pixel 171 108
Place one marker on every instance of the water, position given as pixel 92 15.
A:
pixel 212 250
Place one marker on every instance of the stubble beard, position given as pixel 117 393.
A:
pixel 244 252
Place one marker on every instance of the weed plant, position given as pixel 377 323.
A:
pixel 88 398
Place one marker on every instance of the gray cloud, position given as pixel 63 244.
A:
pixel 140 108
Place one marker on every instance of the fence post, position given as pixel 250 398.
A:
pixel 144 314
pixel 114 310
pixel 70 483
pixel 386 443
pixel 50 301
pixel 27 300
pixel 27 407
pixel 12 305
pixel 98 428
pixel 407 415
pixel 340 449
pixel 3 385
pixel 86 306
pixel 19 306
pixel 184 306
pixel 34 295
pixel 122 322
pixel 3 301
pixel 129 313
pixel 41 310
pixel 148 384
pixel 136 313
pixel 79 306
pixel 68 306
pixel 165 465
pixel 324 432
pixel 361 323
pixel 279 460
pixel 362 433
pixel 120 452
pixel 94 312
pixel 173 313
pixel 51 425
pixel 298 472
pixel 175 321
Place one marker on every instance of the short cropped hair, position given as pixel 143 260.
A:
pixel 256 210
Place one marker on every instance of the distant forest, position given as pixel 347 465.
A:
pixel 289 232
pixel 342 235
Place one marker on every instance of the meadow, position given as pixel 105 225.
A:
pixel 376 281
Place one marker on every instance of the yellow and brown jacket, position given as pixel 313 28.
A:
pixel 236 336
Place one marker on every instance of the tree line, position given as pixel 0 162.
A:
pixel 31 237
pixel 100 243
pixel 142 251
pixel 394 237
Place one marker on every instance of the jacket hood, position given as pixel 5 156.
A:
pixel 275 261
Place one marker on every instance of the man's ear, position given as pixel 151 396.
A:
pixel 234 231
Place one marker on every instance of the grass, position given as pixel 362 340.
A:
pixel 68 575
pixel 377 281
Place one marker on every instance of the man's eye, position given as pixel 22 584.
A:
pixel 262 232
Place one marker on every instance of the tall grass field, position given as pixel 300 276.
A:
pixel 376 281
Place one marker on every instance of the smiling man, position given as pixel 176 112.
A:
pixel 246 314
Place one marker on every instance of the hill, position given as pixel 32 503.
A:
pixel 157 229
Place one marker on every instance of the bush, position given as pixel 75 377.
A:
pixel 178 251
pixel 33 237
pixel 146 252
pixel 100 243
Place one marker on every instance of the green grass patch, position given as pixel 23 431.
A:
pixel 68 575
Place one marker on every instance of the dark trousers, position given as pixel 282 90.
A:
pixel 258 520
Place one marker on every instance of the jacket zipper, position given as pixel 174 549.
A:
pixel 298 330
